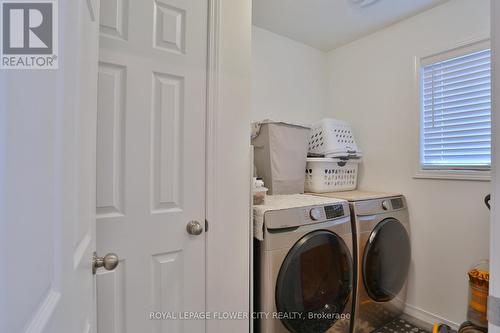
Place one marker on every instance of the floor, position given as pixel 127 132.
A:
pixel 405 324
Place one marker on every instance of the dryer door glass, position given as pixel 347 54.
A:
pixel 314 283
pixel 386 260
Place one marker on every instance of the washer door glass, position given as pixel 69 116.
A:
pixel 314 283
pixel 386 260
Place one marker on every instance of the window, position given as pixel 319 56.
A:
pixel 455 109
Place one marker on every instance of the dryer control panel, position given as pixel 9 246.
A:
pixel 379 206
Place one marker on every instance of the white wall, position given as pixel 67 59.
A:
pixel 372 85
pixel 288 79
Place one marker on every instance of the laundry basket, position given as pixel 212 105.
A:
pixel 331 175
pixel 333 138
pixel 280 152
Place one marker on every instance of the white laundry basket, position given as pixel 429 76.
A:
pixel 333 138
pixel 331 175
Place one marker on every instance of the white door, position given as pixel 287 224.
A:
pixel 47 187
pixel 151 163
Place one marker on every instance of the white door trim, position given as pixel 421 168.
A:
pixel 228 163
pixel 211 137
pixel 495 173
pixel 212 107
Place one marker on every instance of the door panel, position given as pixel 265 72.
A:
pixel 151 162
pixel 47 177
pixel 111 139
pixel 166 140
pixel 386 260
pixel 316 280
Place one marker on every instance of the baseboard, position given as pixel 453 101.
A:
pixel 428 317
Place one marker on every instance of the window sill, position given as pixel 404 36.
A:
pixel 484 176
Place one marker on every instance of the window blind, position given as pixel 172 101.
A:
pixel 456 112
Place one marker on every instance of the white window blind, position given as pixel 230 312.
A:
pixel 456 111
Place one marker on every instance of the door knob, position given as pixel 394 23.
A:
pixel 109 262
pixel 194 228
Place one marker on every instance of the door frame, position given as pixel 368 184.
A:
pixel 228 163
pixel 494 301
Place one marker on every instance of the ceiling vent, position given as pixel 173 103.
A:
pixel 363 3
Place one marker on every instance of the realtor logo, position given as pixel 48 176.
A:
pixel 29 34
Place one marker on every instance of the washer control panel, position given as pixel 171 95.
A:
pixel 307 214
pixel 334 211
pixel 324 213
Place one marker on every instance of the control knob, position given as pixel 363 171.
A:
pixel 315 214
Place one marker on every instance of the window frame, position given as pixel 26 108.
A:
pixel 440 172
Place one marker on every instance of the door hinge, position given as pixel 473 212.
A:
pixel 206 226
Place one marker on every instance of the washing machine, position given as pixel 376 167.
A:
pixel 382 242
pixel 303 268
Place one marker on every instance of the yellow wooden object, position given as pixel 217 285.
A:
pixel 478 296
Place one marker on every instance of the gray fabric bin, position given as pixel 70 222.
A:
pixel 280 153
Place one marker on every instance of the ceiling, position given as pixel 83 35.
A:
pixel 327 24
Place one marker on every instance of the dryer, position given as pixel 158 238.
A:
pixel 382 242
pixel 304 268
